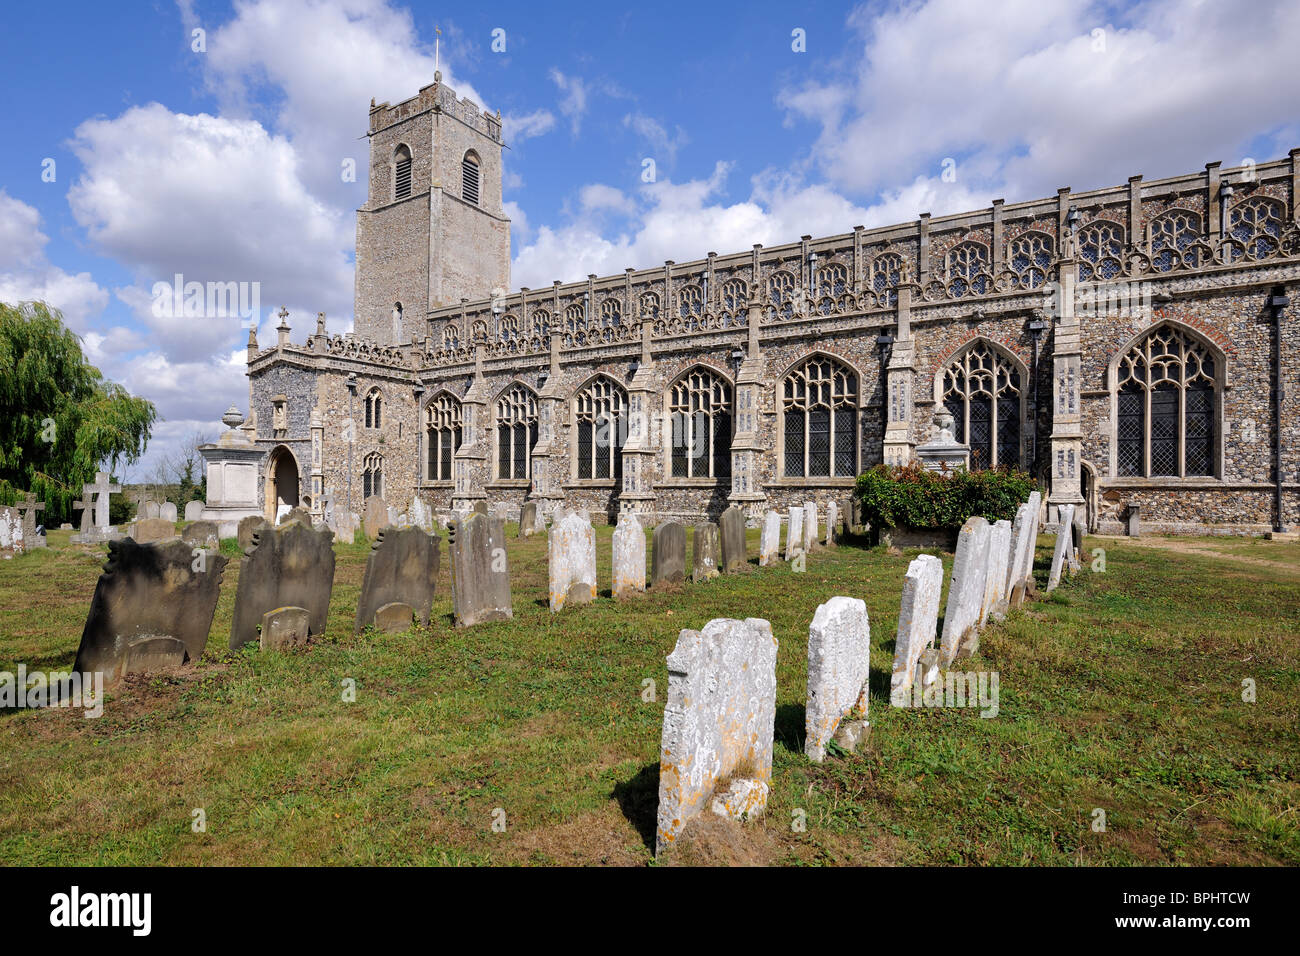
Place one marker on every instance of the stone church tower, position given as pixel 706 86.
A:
pixel 432 231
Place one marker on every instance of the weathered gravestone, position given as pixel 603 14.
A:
pixel 150 654
pixel 704 563
pixel 769 542
pixel 11 532
pixel 194 510
pixel 149 530
pixel 995 580
pixel 809 526
pixel 718 724
pixel 29 507
pixel 148 509
pixel 832 523
pixel 420 515
pixel 289 566
pixel 1023 538
pixel 167 511
pixel 794 534
pixel 1133 520
pixel 201 534
pixel 918 618
pixel 571 561
pixel 402 568
pixel 839 671
pixel 481 507
pixel 668 557
pixel 149 591
pixel 1079 530
pixel 299 514
pixel 84 524
pixel 731 528
pixel 528 519
pixel 628 556
pixel 285 627
pixel 247 527
pixel 965 588
pixel 480 574
pixel 1064 542
pixel 376 518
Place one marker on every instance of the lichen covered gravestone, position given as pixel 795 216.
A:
pixel 810 526
pixel 402 568
pixel 149 530
pixel 11 532
pixel 794 534
pixel 480 573
pixel 839 670
pixel 966 587
pixel 167 511
pixel 571 561
pixel 376 517
pixel 289 566
pixel 149 591
pixel 285 627
pixel 995 580
pixel 731 529
pixel 1023 538
pixel 201 534
pixel 705 552
pixel 1064 542
pixel 528 519
pixel 769 542
pixel 832 523
pixel 918 617
pixel 668 558
pixel 248 527
pixel 628 557
pixel 718 724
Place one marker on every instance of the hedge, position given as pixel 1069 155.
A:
pixel 912 497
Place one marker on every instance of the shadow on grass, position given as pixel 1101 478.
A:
pixel 638 798
pixel 790 726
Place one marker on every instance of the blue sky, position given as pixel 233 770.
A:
pixel 224 164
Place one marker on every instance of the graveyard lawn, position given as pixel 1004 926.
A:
pixel 1120 692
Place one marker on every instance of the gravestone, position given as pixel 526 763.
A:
pixel 1064 541
pixel 149 591
pixel 149 530
pixel 151 654
pixel 1076 542
pixel 855 515
pixel 201 534
pixel 918 618
pixel 704 563
pixel 628 556
pixel 668 554
pixel 1133 520
pixel 528 519
pixel 193 510
pixel 731 529
pixel 995 581
pixel 1022 549
pixel 297 513
pixel 247 526
pixel 394 617
pixel 832 523
pixel 571 561
pixel 148 509
pixel 167 511
pixel 718 724
pixel 420 515
pixel 376 516
pixel 11 532
pixel 84 521
pixel 290 566
pixel 794 534
pixel 97 497
pixel 402 567
pixel 769 542
pixel 839 671
pixel 809 526
pixel 29 506
pixel 284 627
pixel 481 507
pixel 965 587
pixel 480 573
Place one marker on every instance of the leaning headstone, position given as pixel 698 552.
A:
pixel 194 510
pixel 571 561
pixel 731 529
pixel 149 530
pixel 832 523
pixel 1079 530
pixel 29 507
pixel 289 566
pixel 201 534
pixel 705 552
pixel 1022 551
pixel 839 671
pixel 918 617
pixel 376 516
pixel 247 526
pixel 149 591
pixel 167 511
pixel 11 532
pixel 528 519
pixel 628 556
pixel 402 567
pixel 480 573
pixel 809 526
pixel 668 556
pixel 285 627
pixel 995 581
pixel 794 534
pixel 718 724
pixel 965 587
pixel 769 542
pixel 1064 541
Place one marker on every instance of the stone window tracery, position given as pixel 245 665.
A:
pixel 374 408
pixel 450 337
pixel 819 406
pixel 780 293
pixel 700 411
pixel 886 274
pixel 508 328
pixel 1030 257
pixel 968 264
pixel 600 417
pixel 443 434
pixel 1257 224
pixel 372 476
pixel 735 297
pixel 516 433
pixel 575 318
pixel 982 389
pixel 611 313
pixel 832 280
pixel 690 302
pixel 1101 250
pixel 1173 234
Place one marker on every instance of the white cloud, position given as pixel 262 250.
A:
pixel 517 127
pixel 574 103
pixel 665 146
pixel 26 275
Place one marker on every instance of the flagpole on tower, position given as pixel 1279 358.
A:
pixel 437 39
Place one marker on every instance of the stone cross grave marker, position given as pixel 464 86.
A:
pixel 29 506
pixel 100 491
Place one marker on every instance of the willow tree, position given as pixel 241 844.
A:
pixel 60 419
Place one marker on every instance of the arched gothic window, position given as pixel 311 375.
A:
pixel 820 404
pixel 690 301
pixel 700 409
pixel 780 293
pixel 470 178
pixel 1030 257
pixel 1165 406
pixel 611 313
pixel 374 408
pixel 886 274
pixel 832 279
pixel 575 318
pixel 542 322
pixel 516 433
pixel 1172 236
pixel 372 476
pixel 968 264
pixel 735 296
pixel 1257 223
pixel 1101 247
pixel 982 389
pixel 600 413
pixel 508 328
pixel 650 305
pixel 442 435
pixel 450 336
pixel 402 172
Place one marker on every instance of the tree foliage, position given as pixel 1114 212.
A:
pixel 60 419
pixel 913 497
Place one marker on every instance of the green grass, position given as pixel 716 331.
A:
pixel 1121 691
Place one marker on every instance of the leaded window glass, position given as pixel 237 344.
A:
pixel 886 274
pixel 1101 248
pixel 516 433
pixel 1173 235
pixel 442 434
pixel 1257 223
pixel 982 389
pixel 819 402
pixel 700 412
pixel 601 420
pixel 1030 258
pixel 968 265
pixel 1166 406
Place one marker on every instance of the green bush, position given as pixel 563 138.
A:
pixel 910 496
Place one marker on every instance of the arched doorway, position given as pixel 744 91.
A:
pixel 281 484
